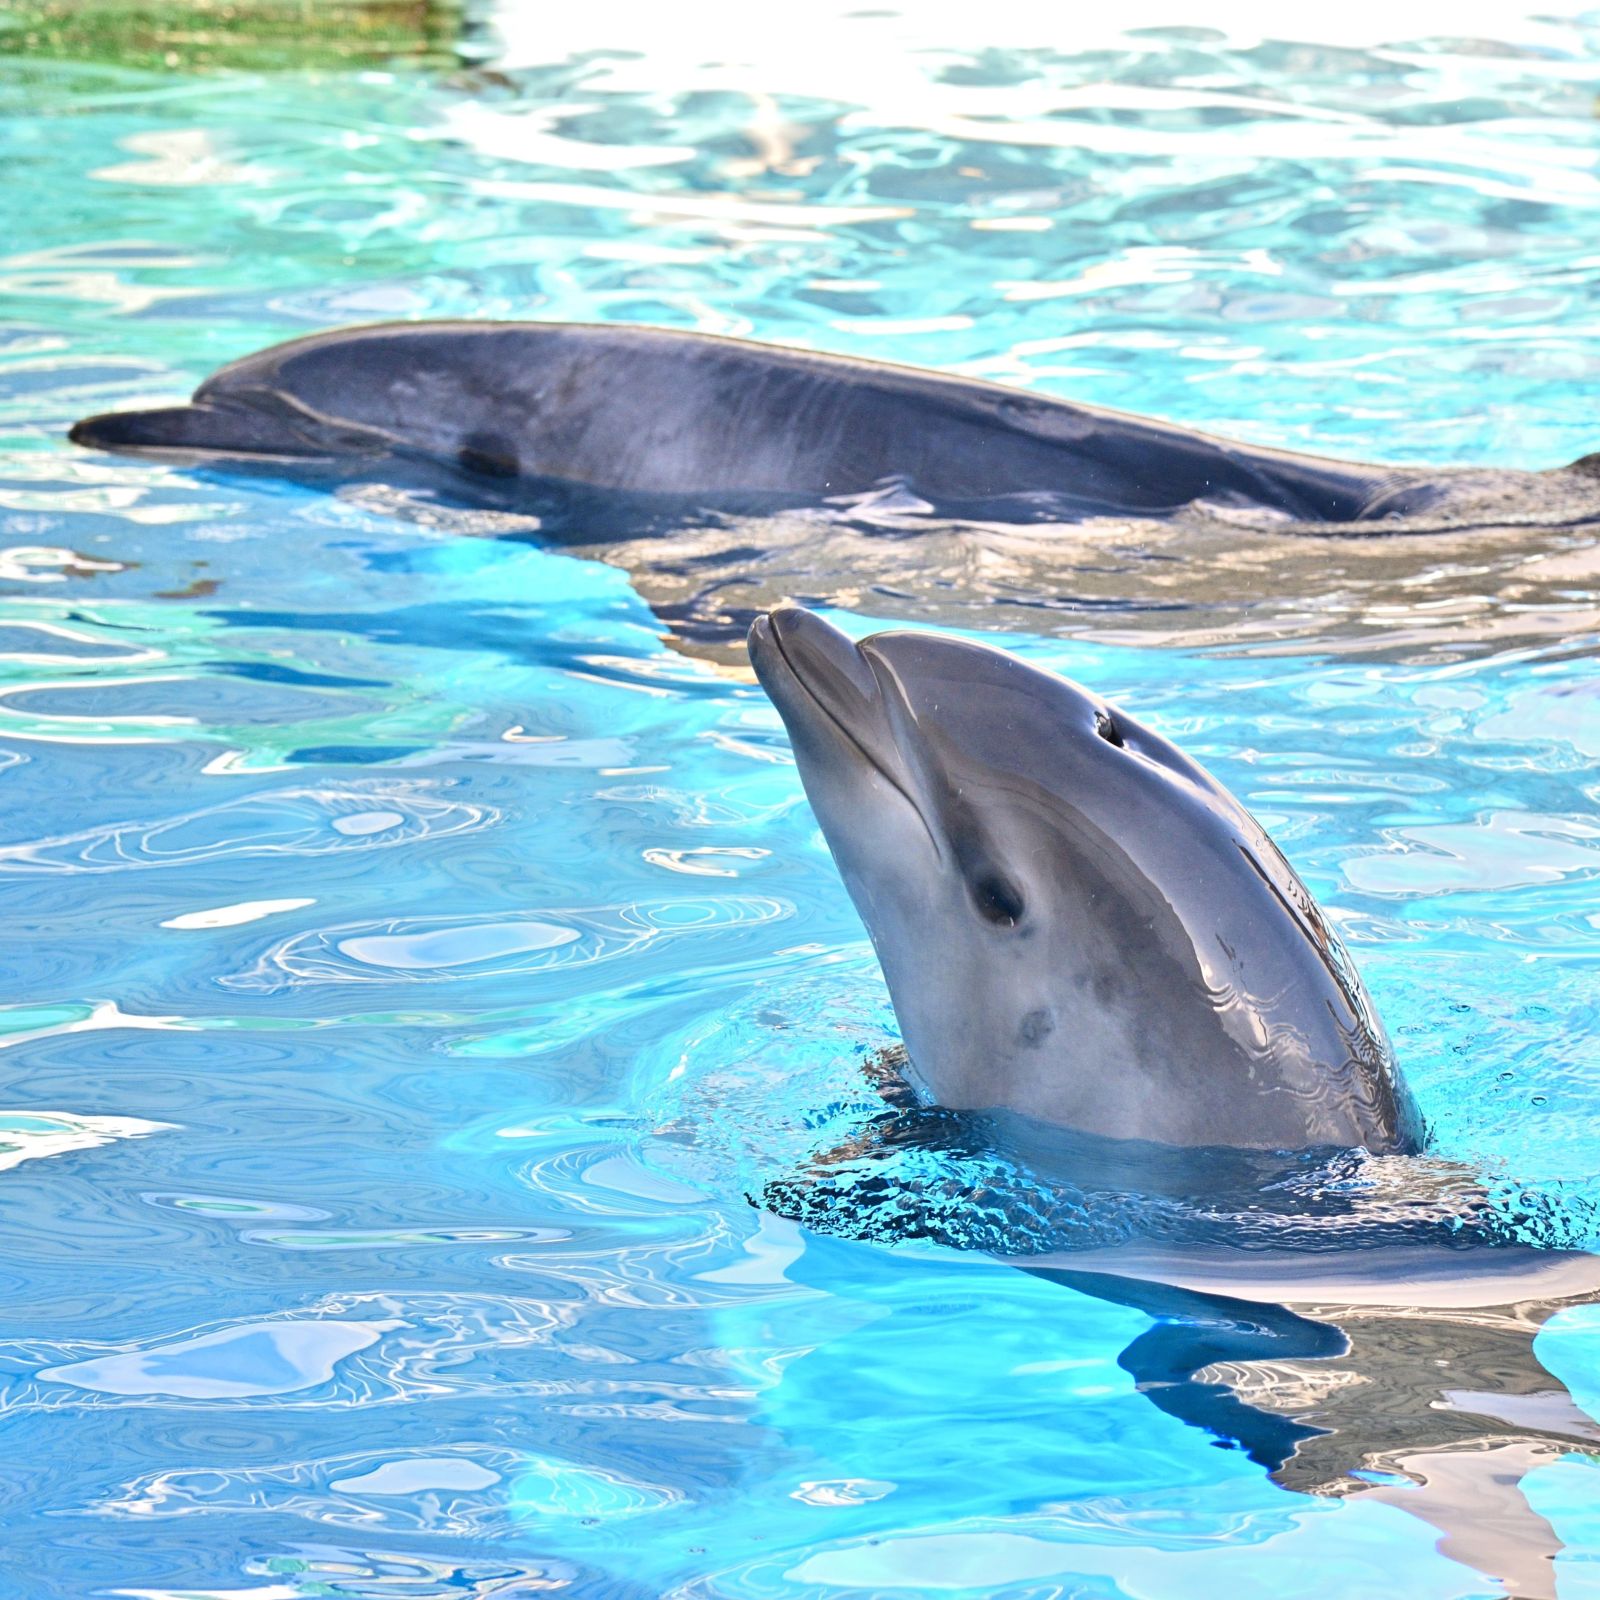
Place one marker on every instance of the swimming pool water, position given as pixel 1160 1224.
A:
pixel 414 963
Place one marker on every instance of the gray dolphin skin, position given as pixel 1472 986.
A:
pixel 725 421
pixel 1076 922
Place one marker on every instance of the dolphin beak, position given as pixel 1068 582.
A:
pixel 174 430
pixel 829 697
pixel 824 660
pixel 194 432
pixel 135 432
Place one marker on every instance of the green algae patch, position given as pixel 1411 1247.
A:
pixel 239 35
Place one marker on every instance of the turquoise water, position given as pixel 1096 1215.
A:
pixel 414 963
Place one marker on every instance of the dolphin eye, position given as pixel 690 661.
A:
pixel 1107 729
pixel 489 455
pixel 997 901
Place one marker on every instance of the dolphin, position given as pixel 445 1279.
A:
pixel 715 421
pixel 1075 920
pixel 725 474
pixel 1103 968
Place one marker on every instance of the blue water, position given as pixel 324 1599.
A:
pixel 414 963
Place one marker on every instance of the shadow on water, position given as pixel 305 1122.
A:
pixel 1441 1413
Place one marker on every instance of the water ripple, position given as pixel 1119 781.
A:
pixel 425 950
pixel 248 1361
pixel 33 1135
pixel 404 1349
pixel 278 822
pixel 441 1491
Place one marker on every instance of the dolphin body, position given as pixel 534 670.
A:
pixel 714 422
pixel 717 422
pixel 1095 950
pixel 725 475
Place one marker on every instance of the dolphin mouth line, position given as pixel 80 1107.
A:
pixel 771 633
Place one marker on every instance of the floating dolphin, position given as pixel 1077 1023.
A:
pixel 718 421
pixel 610 436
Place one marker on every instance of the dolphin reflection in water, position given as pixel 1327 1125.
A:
pixel 1103 967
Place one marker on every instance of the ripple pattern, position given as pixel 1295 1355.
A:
pixel 429 950
pixel 280 822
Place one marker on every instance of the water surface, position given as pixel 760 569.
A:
pixel 416 961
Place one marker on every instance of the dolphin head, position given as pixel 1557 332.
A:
pixel 1075 920
pixel 445 392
